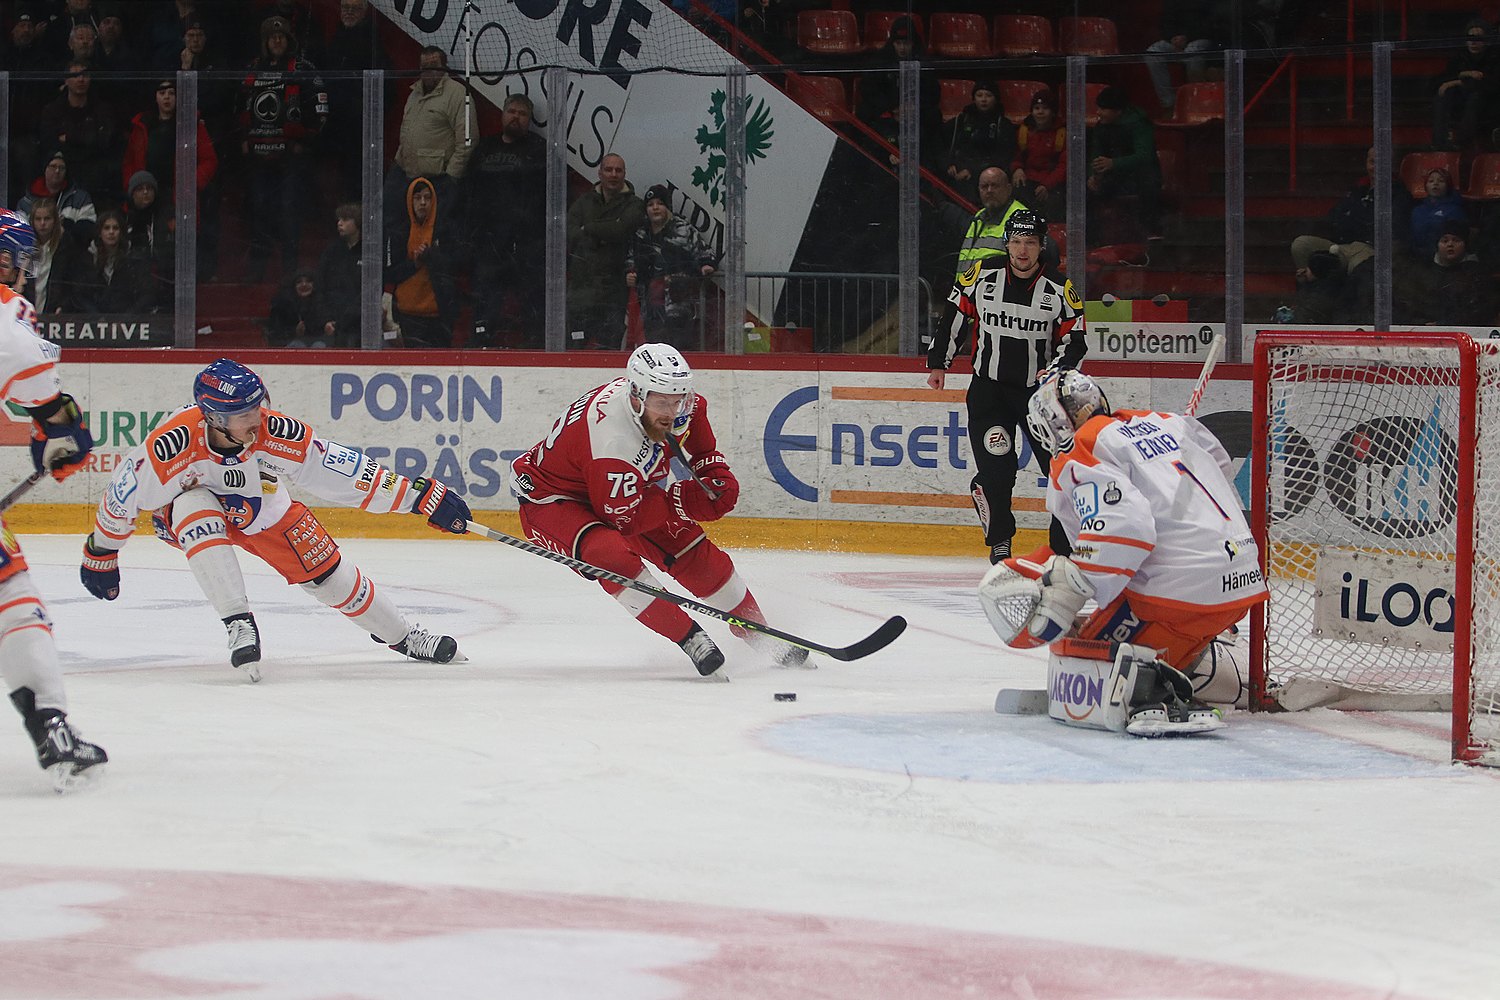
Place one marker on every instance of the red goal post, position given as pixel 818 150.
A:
pixel 1375 500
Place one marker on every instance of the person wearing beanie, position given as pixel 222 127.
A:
pixel 1452 287
pixel 1464 107
pixel 1040 168
pixel 297 314
pixel 1122 165
pixel 665 263
pixel 277 144
pixel 75 206
pixel 979 136
pixel 150 228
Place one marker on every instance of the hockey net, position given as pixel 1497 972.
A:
pixel 1376 504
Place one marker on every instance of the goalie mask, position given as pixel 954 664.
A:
pixel 1063 402
pixel 659 368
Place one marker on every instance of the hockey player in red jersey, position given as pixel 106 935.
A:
pixel 60 443
pixel 591 491
pixel 1159 543
pixel 215 477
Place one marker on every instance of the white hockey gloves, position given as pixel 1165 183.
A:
pixel 1030 604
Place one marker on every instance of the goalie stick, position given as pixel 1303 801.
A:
pixel 874 642
pixel 21 489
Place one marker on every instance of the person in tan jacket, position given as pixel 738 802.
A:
pixel 438 130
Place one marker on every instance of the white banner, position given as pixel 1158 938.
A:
pixel 1384 600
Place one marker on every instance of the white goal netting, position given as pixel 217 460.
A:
pixel 1373 521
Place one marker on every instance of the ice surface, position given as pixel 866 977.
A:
pixel 573 813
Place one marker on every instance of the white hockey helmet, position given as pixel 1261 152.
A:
pixel 1063 402
pixel 659 368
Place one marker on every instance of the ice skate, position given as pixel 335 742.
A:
pixel 244 644
pixel 67 759
pixel 1184 718
pixel 705 655
pixel 421 644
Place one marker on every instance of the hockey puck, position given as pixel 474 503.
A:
pixel 786 696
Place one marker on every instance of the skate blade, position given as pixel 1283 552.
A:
pixel 251 670
pixel 1151 728
pixel 67 778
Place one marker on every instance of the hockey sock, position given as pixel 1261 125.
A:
pixel 348 591
pixel 662 617
pixel 198 522
pixel 28 657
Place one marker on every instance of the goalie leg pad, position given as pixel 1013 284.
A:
pixel 1081 676
pixel 1217 676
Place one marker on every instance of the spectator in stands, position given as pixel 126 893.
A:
pixel 353 48
pixel 437 130
pixel 75 206
pixel 979 136
pixel 340 279
pixel 118 281
pixel 151 144
pixel 1464 107
pixel 1351 223
pixel 880 93
pixel 505 210
pixel 58 262
pixel 1453 289
pixel 297 314
pixel 1040 168
pixel 81 41
pixel 170 27
pixel 419 272
pixel 58 30
pixel 1429 215
pixel 112 50
pixel 665 265
pixel 1124 175
pixel 600 224
pixel 1191 26
pixel 1330 294
pixel 284 106
pixel 985 236
pixel 22 53
pixel 216 97
pixel 84 128
pixel 150 230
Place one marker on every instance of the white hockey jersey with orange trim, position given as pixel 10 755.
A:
pixel 28 364
pixel 251 486
pixel 1147 501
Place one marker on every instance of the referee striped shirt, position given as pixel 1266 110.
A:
pixel 1017 326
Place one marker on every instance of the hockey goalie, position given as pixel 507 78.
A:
pixel 1161 547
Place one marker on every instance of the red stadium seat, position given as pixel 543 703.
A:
pixel 824 96
pixel 1015 97
pixel 1198 104
pixel 828 32
pixel 959 36
pixel 954 96
pixel 1091 102
pixel 1088 36
pixel 1416 166
pixel 878 26
pixel 1484 178
pixel 1023 35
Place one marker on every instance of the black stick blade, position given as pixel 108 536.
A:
pixel 872 643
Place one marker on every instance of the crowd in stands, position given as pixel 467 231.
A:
pixel 278 162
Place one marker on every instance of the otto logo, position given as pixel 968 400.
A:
pixel 1079 694
pixel 1400 604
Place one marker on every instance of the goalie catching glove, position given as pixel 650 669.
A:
pixel 60 440
pixel 1030 603
pixel 445 510
pixel 100 571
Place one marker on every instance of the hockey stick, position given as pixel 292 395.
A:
pixel 874 642
pixel 681 456
pixel 21 489
pixel 1215 351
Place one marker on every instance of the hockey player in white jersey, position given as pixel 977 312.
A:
pixel 1159 543
pixel 60 443
pixel 215 477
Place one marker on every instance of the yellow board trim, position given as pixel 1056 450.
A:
pixel 901 538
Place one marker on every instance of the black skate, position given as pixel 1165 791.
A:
pixel 61 753
pixel 421 644
pixel 244 644
pixel 705 655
